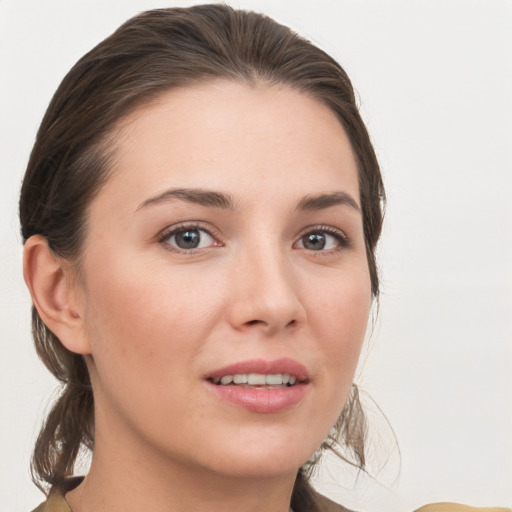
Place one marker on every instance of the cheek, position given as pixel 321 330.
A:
pixel 146 326
pixel 344 303
pixel 149 318
pixel 341 317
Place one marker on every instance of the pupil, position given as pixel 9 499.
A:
pixel 187 239
pixel 314 241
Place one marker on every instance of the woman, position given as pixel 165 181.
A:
pixel 200 214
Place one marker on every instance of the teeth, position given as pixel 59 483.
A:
pixel 227 379
pixel 274 379
pixel 240 379
pixel 257 379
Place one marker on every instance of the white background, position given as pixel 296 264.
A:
pixel 435 84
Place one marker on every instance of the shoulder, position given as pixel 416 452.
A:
pixel 454 507
pixel 306 499
pixel 56 502
pixel 327 505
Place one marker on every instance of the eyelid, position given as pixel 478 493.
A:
pixel 167 232
pixel 343 239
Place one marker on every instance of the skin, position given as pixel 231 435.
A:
pixel 153 319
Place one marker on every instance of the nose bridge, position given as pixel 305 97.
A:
pixel 266 294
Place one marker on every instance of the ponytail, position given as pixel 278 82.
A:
pixel 70 423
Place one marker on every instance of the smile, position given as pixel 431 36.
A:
pixel 257 380
pixel 261 386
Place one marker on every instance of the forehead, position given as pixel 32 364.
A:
pixel 225 134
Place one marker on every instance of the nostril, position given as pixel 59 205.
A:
pixel 255 322
pixel 290 324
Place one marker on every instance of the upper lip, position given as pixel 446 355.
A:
pixel 283 365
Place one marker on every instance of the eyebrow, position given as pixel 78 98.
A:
pixel 192 195
pixel 322 201
pixel 210 198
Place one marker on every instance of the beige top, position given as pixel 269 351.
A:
pixel 56 502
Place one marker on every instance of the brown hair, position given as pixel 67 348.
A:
pixel 149 54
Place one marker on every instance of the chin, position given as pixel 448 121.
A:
pixel 262 469
pixel 263 460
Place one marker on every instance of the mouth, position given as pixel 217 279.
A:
pixel 261 386
pixel 257 380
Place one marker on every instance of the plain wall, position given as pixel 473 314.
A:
pixel 435 84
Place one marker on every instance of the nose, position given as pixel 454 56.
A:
pixel 264 294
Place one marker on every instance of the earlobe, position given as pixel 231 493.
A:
pixel 49 283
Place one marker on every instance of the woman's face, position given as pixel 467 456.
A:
pixel 226 245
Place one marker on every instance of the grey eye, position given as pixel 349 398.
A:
pixel 187 239
pixel 319 241
pixel 313 241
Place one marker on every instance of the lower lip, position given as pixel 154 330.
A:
pixel 261 400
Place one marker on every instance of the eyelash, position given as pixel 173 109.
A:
pixel 342 240
pixel 167 233
pixel 340 237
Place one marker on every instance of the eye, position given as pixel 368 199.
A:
pixel 188 238
pixel 322 240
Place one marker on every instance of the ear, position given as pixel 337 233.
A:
pixel 50 283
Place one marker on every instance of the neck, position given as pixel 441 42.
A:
pixel 122 479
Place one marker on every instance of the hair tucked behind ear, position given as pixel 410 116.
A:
pixel 148 55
